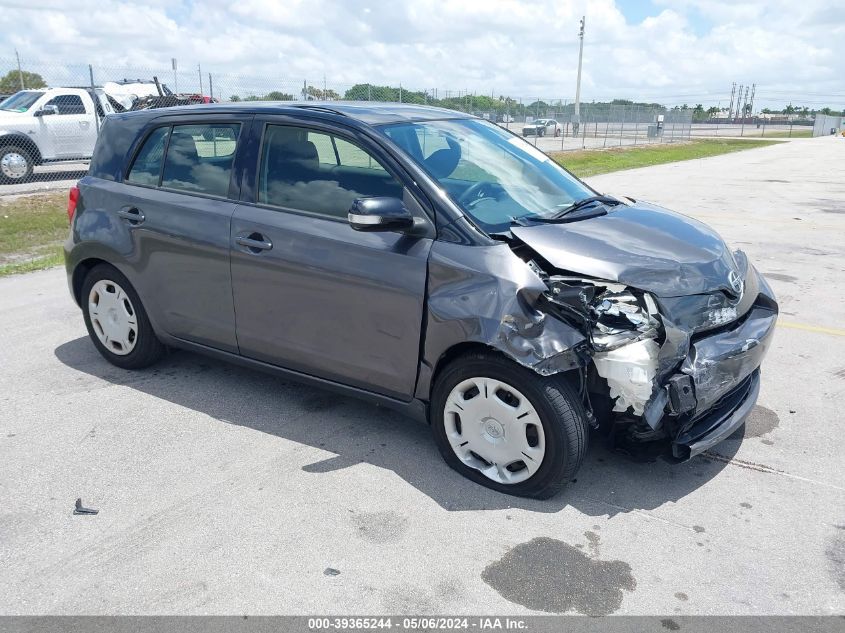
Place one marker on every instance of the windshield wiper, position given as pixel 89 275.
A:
pixel 519 221
pixel 580 204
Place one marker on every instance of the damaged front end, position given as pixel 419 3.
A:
pixel 654 366
pixel 683 369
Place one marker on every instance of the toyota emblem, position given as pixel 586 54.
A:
pixel 736 282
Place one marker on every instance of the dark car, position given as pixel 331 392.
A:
pixel 425 260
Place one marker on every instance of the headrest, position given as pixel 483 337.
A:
pixel 443 162
pixel 183 148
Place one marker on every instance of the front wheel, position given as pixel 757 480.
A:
pixel 116 320
pixel 508 428
pixel 16 164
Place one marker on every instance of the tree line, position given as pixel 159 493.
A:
pixel 501 105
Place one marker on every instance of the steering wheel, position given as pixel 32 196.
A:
pixel 478 192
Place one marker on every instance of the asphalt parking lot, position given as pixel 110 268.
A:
pixel 224 491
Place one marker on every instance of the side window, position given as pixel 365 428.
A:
pixel 353 156
pixel 325 149
pixel 147 166
pixel 199 158
pixel 68 104
pixel 294 174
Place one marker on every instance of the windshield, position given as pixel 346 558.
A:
pixel 494 176
pixel 21 101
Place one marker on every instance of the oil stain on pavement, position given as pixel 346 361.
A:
pixel 761 421
pixel 381 527
pixel 546 574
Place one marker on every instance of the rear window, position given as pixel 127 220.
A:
pixel 192 158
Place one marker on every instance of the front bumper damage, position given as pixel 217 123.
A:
pixel 717 385
pixel 669 372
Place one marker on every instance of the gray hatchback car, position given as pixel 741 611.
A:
pixel 425 260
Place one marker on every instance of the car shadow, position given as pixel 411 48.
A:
pixel 362 433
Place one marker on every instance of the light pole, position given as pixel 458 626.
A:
pixel 20 73
pixel 576 118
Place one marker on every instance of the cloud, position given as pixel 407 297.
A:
pixel 687 51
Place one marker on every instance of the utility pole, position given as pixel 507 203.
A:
pixel 735 114
pixel 20 73
pixel 576 118
pixel 750 109
pixel 753 89
pixel 175 78
pixel 731 106
pixel 199 72
pixel 742 120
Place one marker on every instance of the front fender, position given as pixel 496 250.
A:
pixel 487 295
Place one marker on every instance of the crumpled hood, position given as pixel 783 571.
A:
pixel 643 246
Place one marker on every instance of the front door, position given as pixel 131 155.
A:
pixel 73 129
pixel 313 295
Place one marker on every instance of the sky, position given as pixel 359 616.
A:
pixel 668 51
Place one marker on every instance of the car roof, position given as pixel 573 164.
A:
pixel 368 112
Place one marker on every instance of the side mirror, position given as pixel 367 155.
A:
pixel 47 109
pixel 380 214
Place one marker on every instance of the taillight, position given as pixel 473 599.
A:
pixel 72 199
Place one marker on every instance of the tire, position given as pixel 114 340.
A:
pixel 143 347
pixel 559 412
pixel 11 169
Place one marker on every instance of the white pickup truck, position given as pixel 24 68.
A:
pixel 53 124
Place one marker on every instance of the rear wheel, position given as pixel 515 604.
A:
pixel 16 164
pixel 506 427
pixel 116 320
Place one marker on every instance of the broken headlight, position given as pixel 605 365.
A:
pixel 622 326
pixel 610 314
pixel 700 312
pixel 622 318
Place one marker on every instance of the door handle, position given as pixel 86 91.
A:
pixel 254 242
pixel 133 215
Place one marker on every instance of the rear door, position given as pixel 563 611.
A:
pixel 311 294
pixel 177 201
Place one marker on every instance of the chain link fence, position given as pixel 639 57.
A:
pixel 51 112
